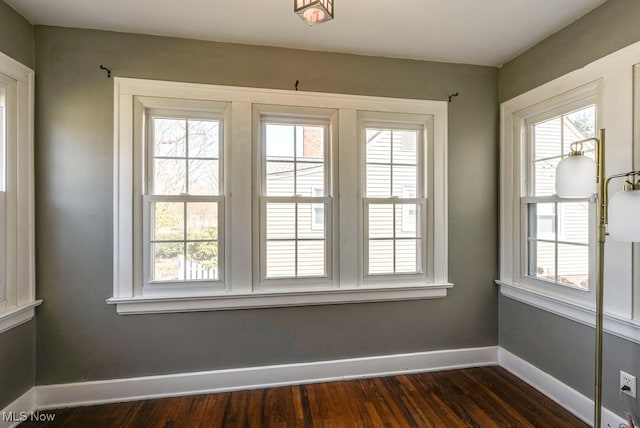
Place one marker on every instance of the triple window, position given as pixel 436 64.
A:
pixel 227 195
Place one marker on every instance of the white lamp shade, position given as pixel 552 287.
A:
pixel 576 177
pixel 624 216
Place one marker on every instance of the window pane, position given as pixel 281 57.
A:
pixel 378 146
pixel 378 181
pixel 311 258
pixel 204 138
pixel 281 221
pixel 167 261
pixel 573 222
pixel 380 220
pixel 280 142
pixel 542 221
pixel 548 137
pixel 281 259
pixel 580 125
pixel 405 147
pixel 307 215
pixel 380 257
pixel 312 143
pixel 169 137
pixel 202 260
pixel 310 179
pixel 542 260
pixel 168 221
pixel 203 177
pixel 573 265
pixel 405 180
pixel 202 221
pixel 407 255
pixel 545 177
pixel 407 220
pixel 169 177
pixel 280 179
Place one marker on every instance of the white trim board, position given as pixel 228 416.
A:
pixel 120 390
pixel 85 393
pixel 572 400
pixel 23 405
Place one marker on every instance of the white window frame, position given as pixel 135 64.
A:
pixel 189 110
pixel 299 115
pixel 527 118
pixel 516 156
pixel 242 288
pixel 17 243
pixel 423 197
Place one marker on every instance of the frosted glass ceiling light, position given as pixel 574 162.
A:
pixel 575 178
pixel 314 11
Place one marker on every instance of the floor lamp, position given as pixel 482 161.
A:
pixel 578 176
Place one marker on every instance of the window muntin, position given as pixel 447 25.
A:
pixel 557 230
pixel 295 198
pixel 184 201
pixel 394 203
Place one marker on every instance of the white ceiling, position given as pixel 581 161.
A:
pixel 484 32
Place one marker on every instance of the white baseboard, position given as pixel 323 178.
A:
pixel 86 393
pixel 567 397
pixel 140 388
pixel 24 405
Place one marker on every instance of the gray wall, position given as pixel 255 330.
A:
pixel 17 346
pixel 612 26
pixel 560 347
pixel 79 337
pixel 16 36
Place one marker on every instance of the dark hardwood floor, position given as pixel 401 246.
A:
pixel 475 397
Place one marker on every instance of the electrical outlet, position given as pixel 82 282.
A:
pixel 627 380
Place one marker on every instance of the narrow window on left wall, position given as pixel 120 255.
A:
pixel 17 271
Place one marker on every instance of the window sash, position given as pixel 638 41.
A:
pixel 149 283
pixel 280 115
pixel 420 235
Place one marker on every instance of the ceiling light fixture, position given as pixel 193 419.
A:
pixel 314 11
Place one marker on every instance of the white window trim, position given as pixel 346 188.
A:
pixel 315 115
pixel 18 256
pixel 240 291
pixel 207 110
pixel 423 197
pixel 613 77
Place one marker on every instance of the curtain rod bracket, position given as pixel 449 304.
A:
pixel 102 67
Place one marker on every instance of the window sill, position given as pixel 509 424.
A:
pixel 142 305
pixel 625 328
pixel 15 316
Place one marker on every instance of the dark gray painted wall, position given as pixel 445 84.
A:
pixel 17 346
pixel 560 347
pixel 611 26
pixel 82 338
pixel 16 36
pixel 17 360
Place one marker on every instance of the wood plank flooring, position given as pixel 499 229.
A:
pixel 475 397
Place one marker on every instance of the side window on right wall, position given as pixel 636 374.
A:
pixel 557 230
